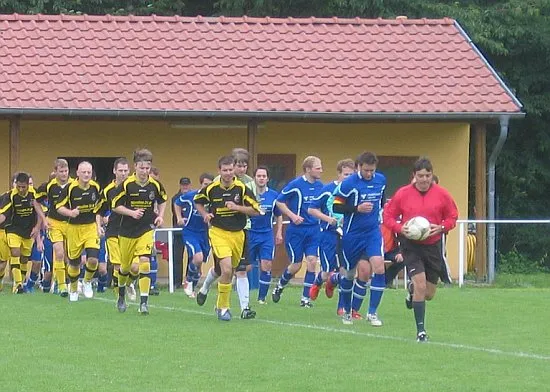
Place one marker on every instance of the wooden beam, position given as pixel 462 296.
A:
pixel 15 140
pixel 480 132
pixel 252 130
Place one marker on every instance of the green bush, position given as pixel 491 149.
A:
pixel 514 262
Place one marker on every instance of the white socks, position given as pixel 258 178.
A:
pixel 243 289
pixel 210 278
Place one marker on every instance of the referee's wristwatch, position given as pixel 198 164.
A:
pixel 442 228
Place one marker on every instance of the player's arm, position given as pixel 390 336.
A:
pixel 159 220
pixel 279 230
pixel 41 218
pixel 315 209
pixel 450 216
pixel 250 205
pixel 392 212
pixel 179 217
pixel 201 199
pixel 5 205
pixel 118 204
pixel 2 218
pixel 62 206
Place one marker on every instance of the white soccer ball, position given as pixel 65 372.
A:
pixel 418 228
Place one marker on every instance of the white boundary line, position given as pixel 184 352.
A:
pixel 517 354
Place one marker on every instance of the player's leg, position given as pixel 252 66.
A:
pixel 327 252
pixel 113 252
pixel 127 248
pixel 47 265
pixel 265 253
pixel 350 255
pixel 91 241
pixel 36 264
pixel 102 273
pixel 57 234
pixel 311 251
pixel 14 244
pixel 194 261
pixel 75 248
pixel 375 252
pixel 3 265
pixel 143 250
pixel 242 283
pixel 294 244
pixel 360 284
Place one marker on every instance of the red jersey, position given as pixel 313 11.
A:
pixel 436 205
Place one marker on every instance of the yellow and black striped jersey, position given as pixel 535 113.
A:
pixel 134 196
pixel 85 199
pixel 104 209
pixel 21 212
pixel 51 191
pixel 216 195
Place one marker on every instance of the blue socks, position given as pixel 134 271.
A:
pixel 102 282
pixel 31 281
pixel 265 281
pixel 285 278
pixel 308 282
pixel 318 279
pixel 359 292
pixel 377 286
pixel 153 271
pixel 346 286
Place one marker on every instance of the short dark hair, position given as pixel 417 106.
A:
pixel 185 181
pixel 261 167
pixel 204 176
pixel 22 178
pixel 366 158
pixel 143 155
pixel 120 161
pixel 226 160
pixel 345 163
pixel 241 155
pixel 423 163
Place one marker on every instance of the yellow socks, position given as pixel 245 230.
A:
pixel 224 296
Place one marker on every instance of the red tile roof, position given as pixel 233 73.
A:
pixel 244 65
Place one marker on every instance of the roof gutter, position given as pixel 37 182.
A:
pixel 493 71
pixel 260 115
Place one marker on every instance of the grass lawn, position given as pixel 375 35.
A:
pixel 482 339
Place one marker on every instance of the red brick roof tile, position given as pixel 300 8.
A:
pixel 244 64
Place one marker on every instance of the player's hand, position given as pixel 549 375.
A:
pixel 399 258
pixel 137 214
pixel 101 231
pixel 208 218
pixel 35 232
pixel 158 221
pixel 278 238
pixel 365 207
pixel 405 231
pixel 332 221
pixel 434 229
pixel 180 221
pixel 297 219
pixel 231 205
pixel 75 213
pixel 105 220
pixel 40 245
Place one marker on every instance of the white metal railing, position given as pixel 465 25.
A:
pixel 462 237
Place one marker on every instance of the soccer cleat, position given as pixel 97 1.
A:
pixel 409 298
pixel 121 305
pixel 201 298
pixel 188 289
pixel 329 287
pixel 306 303
pixel 18 289
pixel 87 289
pixel 373 319
pixel 276 294
pixel 143 309
pixel 154 291
pixel 262 302
pixel 347 319
pixel 223 315
pixel 314 292
pixel 248 313
pixel 356 315
pixel 73 296
pixel 63 293
pixel 131 291
pixel 422 337
pixel 340 312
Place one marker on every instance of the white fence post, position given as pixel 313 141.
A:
pixel 461 254
pixel 170 261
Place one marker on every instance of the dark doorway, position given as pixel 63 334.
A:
pixel 103 168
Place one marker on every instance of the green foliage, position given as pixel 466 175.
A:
pixel 514 262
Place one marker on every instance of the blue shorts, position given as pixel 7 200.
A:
pixel 362 246
pixel 196 242
pixel 45 257
pixel 328 251
pixel 261 246
pixel 302 240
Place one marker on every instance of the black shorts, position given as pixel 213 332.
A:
pixel 420 258
pixel 244 263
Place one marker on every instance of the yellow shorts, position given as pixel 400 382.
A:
pixel 132 248
pixel 4 248
pixel 16 241
pixel 80 237
pixel 227 244
pixel 58 230
pixel 113 250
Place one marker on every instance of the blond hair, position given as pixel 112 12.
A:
pixel 309 161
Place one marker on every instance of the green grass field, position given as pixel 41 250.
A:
pixel 482 339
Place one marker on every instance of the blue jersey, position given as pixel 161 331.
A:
pixel 355 190
pixel 298 195
pixel 193 220
pixel 264 223
pixel 321 202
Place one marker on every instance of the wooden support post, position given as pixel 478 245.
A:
pixel 480 132
pixel 15 140
pixel 252 130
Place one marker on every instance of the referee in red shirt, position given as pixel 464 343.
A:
pixel 423 259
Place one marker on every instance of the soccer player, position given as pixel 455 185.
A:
pixel 230 201
pixel 78 202
pixel 135 200
pixel 422 259
pixel 105 213
pixel 194 234
pixel 328 245
pixel 303 233
pixel 261 245
pixel 4 248
pixel 360 198
pixel 25 221
pixel 155 173
pixel 57 223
